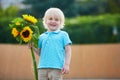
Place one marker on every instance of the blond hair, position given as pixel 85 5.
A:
pixel 54 11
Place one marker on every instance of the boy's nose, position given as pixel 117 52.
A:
pixel 53 21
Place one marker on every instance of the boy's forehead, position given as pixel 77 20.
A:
pixel 55 15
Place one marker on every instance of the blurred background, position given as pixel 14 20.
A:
pixel 93 27
pixel 87 21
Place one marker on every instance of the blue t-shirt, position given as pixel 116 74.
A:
pixel 52 45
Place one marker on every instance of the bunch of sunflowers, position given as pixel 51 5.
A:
pixel 24 29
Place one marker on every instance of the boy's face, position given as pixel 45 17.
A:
pixel 53 22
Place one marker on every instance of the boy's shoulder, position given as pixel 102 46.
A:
pixel 42 35
pixel 64 32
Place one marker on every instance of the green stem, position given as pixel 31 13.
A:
pixel 34 65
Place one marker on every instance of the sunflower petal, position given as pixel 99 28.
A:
pixel 29 18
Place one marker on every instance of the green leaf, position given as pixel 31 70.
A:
pixel 17 20
pixel 11 25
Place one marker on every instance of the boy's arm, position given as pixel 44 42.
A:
pixel 37 50
pixel 65 68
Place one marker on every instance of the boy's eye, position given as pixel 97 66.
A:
pixel 50 18
pixel 56 19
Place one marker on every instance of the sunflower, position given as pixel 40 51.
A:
pixel 15 32
pixel 30 18
pixel 26 34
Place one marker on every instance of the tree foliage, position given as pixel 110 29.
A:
pixel 5 17
pixel 94 29
pixel 113 6
pixel 38 7
pixel 97 28
pixel 95 7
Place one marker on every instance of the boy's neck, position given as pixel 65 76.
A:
pixel 53 30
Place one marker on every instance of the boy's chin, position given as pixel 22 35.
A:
pixel 53 29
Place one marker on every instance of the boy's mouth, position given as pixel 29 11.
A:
pixel 53 25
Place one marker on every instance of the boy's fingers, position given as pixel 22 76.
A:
pixel 32 43
pixel 29 46
pixel 64 71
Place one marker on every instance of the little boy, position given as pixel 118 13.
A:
pixel 54 47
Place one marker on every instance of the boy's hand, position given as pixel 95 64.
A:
pixel 30 45
pixel 65 69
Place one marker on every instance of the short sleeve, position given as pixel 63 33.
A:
pixel 39 42
pixel 66 39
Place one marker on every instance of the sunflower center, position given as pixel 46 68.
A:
pixel 26 33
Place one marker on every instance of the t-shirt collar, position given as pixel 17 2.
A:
pixel 57 31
